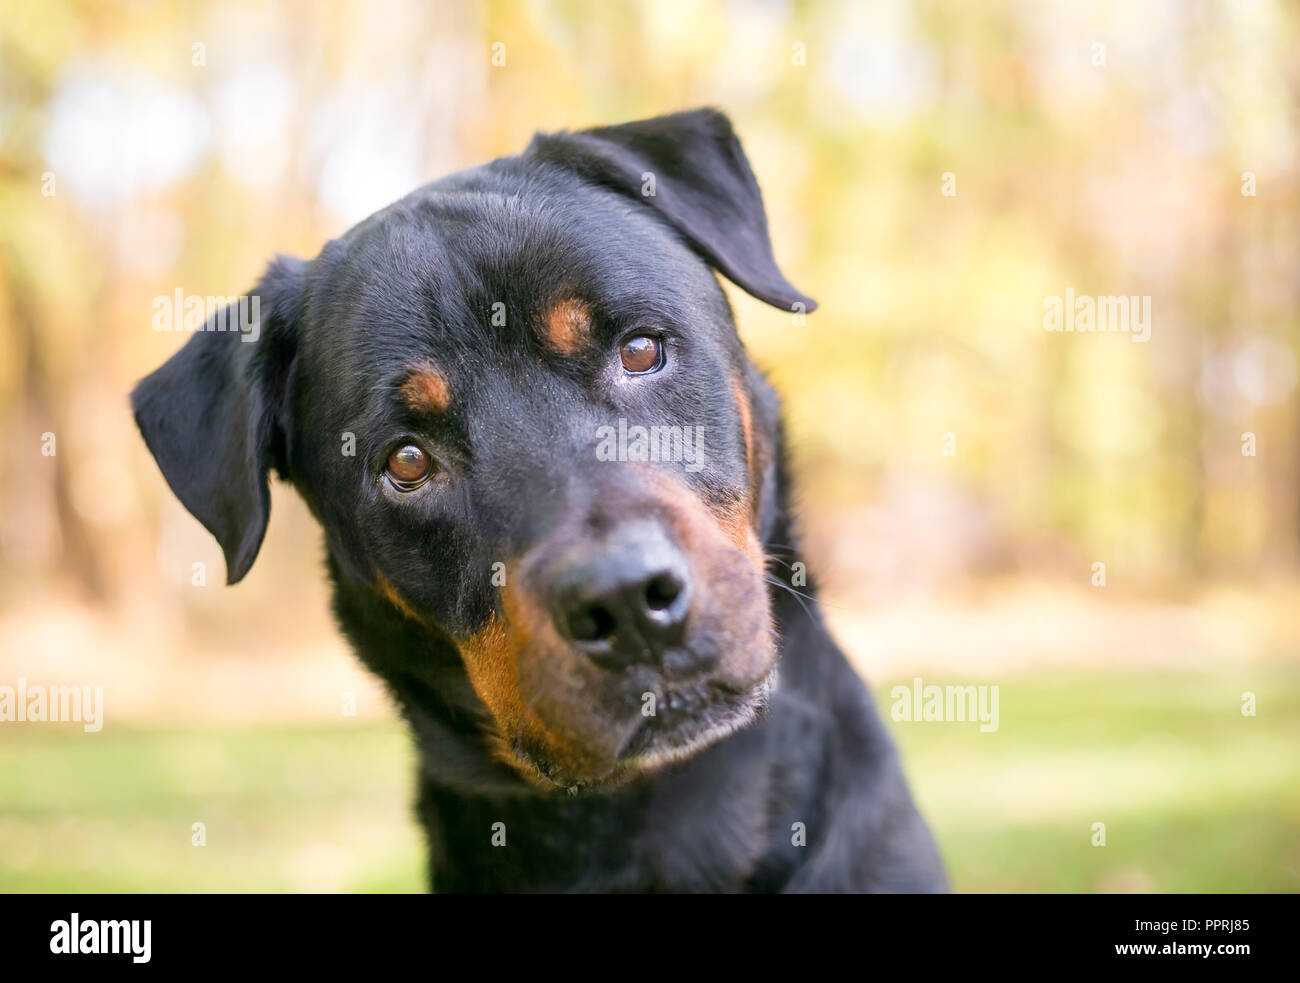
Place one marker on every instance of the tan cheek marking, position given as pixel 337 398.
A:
pixel 735 523
pixel 751 457
pixel 703 522
pixel 701 530
pixel 490 658
pixel 396 599
pixel 567 325
pixel 426 390
pixel 490 661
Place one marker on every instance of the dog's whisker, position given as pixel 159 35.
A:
pixel 802 599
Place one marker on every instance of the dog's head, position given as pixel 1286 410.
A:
pixel 517 403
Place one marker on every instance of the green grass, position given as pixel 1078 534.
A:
pixel 285 809
pixel 1194 796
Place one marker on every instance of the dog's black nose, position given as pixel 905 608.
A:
pixel 627 601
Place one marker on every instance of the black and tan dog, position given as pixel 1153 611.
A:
pixel 579 626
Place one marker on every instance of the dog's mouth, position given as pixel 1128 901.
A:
pixel 686 719
pixel 689 718
pixel 661 721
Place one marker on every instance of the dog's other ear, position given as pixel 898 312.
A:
pixel 702 183
pixel 213 415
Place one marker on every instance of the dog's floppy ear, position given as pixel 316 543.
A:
pixel 702 185
pixel 213 414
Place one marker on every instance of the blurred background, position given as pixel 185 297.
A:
pixel 933 172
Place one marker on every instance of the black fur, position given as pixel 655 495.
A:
pixel 418 280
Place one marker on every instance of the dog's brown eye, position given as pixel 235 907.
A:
pixel 641 354
pixel 408 466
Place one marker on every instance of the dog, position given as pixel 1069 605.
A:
pixel 556 512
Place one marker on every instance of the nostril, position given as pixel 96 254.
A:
pixel 590 623
pixel 624 600
pixel 661 591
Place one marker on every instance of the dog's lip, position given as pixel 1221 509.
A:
pixel 699 715
pixel 650 744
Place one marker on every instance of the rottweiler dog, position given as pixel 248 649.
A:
pixel 558 523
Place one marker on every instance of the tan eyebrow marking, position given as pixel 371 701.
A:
pixel 426 390
pixel 567 324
